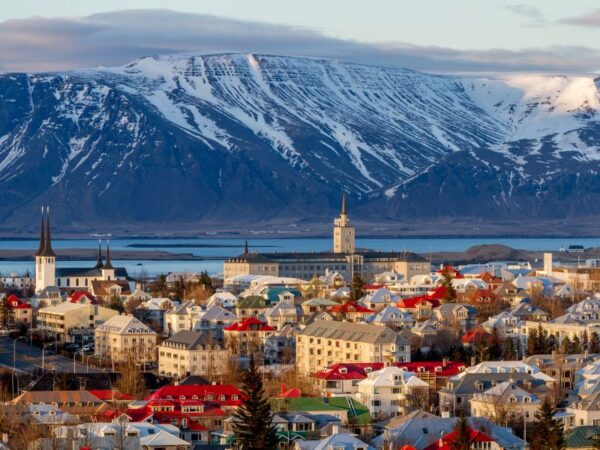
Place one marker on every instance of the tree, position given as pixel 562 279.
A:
pixel 566 346
pixel 116 303
pixel 532 341
pixel 547 431
pixel 356 287
pixel 159 285
pixel 6 314
pixel 462 438
pixel 576 345
pixel 179 289
pixel 542 341
pixel 450 296
pixel 131 380
pixel 495 350
pixel 509 352
pixel 252 422
pixel 594 345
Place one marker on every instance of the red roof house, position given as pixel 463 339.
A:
pixel 447 442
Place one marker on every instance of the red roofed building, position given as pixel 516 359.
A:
pixel 82 297
pixel 21 313
pixel 449 270
pixel 421 307
pixel 343 378
pixel 246 336
pixel 111 396
pixel 479 440
pixel 471 338
pixel 486 302
pixel 492 281
pixel 352 311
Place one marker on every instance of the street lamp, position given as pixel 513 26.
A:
pixel 44 353
pixel 15 364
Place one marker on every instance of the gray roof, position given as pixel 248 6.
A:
pixel 191 340
pixel 348 331
pixel 468 383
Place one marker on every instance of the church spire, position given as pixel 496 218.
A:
pixel 48 240
pixel 42 238
pixel 107 264
pixel 99 263
pixel 344 203
pixel 246 247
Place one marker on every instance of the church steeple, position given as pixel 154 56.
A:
pixel 42 236
pixel 343 232
pixel 99 263
pixel 48 251
pixel 246 247
pixel 344 204
pixel 107 264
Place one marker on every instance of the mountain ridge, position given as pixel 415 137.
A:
pixel 246 138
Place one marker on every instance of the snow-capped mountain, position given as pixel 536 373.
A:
pixel 238 137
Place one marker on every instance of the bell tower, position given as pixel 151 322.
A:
pixel 343 232
pixel 45 258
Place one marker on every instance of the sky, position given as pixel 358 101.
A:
pixel 431 35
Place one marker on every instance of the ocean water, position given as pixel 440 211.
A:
pixel 219 249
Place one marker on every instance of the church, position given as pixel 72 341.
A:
pixel 344 258
pixel 47 275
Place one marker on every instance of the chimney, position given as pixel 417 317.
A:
pixel 335 429
pixel 445 362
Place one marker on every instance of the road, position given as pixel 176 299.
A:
pixel 29 359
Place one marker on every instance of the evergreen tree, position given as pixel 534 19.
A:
pixel 552 343
pixel 450 296
pixel 542 341
pixel 252 423
pixel 547 431
pixel 179 289
pixel 495 349
pixel 585 343
pixel 509 352
pixel 532 342
pixel 6 314
pixel 159 286
pixel 356 288
pixel 116 304
pixel 462 438
pixel 566 346
pixel 576 345
pixel 206 280
pixel 594 345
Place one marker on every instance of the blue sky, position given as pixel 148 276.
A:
pixel 435 35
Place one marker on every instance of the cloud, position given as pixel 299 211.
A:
pixel 591 19
pixel 115 38
pixel 522 9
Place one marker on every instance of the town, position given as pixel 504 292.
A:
pixel 346 349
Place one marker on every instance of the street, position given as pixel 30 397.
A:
pixel 29 359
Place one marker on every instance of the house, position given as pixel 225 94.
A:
pixel 582 438
pixel 391 392
pixel 345 409
pixel 352 311
pixel 212 320
pixel 317 305
pixel 461 388
pixel 252 306
pixel 394 318
pixel 280 346
pixel 21 313
pixel 421 307
pixel 378 299
pixel 191 353
pixel 337 441
pixel 283 313
pixel 247 336
pixel 224 299
pixel 123 338
pixel 584 411
pixel 562 368
pixel 181 317
pixel 457 316
pixel 109 289
pixel 478 439
pixel 420 430
pixel 152 311
pixel 68 320
pixel 50 296
pixel 505 402
pixel 326 342
pixel 80 404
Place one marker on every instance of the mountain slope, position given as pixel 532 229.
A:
pixel 234 138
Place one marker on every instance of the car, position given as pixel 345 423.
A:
pixel 72 347
pixel 87 348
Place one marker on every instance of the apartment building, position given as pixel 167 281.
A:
pixel 327 342
pixel 191 353
pixel 66 320
pixel 124 337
